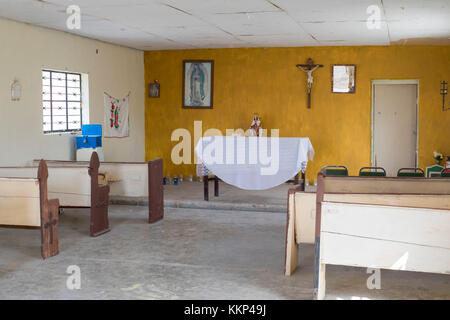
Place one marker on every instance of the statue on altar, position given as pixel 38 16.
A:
pixel 255 127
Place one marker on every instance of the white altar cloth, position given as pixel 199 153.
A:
pixel 253 163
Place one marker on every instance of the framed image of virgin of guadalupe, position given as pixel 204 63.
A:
pixel 198 84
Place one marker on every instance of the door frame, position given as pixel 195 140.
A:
pixel 372 115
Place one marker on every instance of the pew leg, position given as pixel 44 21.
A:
pixel 291 254
pixel 205 188
pixel 322 283
pixel 216 186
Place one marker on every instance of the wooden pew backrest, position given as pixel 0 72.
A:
pixel 440 201
pixel 20 202
pixel 130 178
pixel 304 207
pixel 71 185
pixel 382 237
pixel 387 185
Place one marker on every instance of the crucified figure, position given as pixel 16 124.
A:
pixel 308 68
pixel 310 77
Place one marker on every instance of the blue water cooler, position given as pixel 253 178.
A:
pixel 89 141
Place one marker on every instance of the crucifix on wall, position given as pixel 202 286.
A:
pixel 308 68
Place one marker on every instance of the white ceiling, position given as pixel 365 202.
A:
pixel 190 24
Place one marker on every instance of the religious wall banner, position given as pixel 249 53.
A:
pixel 116 117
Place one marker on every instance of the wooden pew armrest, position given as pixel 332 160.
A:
pixel 103 196
pixel 53 205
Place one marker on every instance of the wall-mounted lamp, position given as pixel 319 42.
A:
pixel 444 93
pixel 16 89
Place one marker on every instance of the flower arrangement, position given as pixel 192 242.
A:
pixel 438 157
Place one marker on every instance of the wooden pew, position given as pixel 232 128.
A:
pixel 381 222
pixel 75 187
pixel 130 180
pixel 24 204
pixel 301 209
pixel 300 225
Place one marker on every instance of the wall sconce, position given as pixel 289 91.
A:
pixel 16 89
pixel 444 93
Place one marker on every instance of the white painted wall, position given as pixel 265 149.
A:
pixel 24 51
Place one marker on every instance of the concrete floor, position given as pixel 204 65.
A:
pixel 190 195
pixel 191 254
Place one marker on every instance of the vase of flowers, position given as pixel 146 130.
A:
pixel 438 157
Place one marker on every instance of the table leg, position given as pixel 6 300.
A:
pixel 303 181
pixel 205 188
pixel 216 186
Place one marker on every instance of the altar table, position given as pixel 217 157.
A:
pixel 252 163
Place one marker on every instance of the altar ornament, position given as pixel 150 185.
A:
pixel 255 127
pixel 438 157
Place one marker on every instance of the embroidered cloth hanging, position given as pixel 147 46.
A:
pixel 116 117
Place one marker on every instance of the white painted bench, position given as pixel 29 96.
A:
pixel 382 222
pixel 75 187
pixel 130 180
pixel 24 204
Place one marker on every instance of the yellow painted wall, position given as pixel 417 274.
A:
pixel 266 81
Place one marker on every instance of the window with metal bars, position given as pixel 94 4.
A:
pixel 61 101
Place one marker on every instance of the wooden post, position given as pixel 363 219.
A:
pixel 99 200
pixel 155 191
pixel 49 216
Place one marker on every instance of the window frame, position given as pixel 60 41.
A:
pixel 67 130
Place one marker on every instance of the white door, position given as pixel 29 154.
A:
pixel 394 126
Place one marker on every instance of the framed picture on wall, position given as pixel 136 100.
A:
pixel 343 78
pixel 198 84
pixel 154 90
